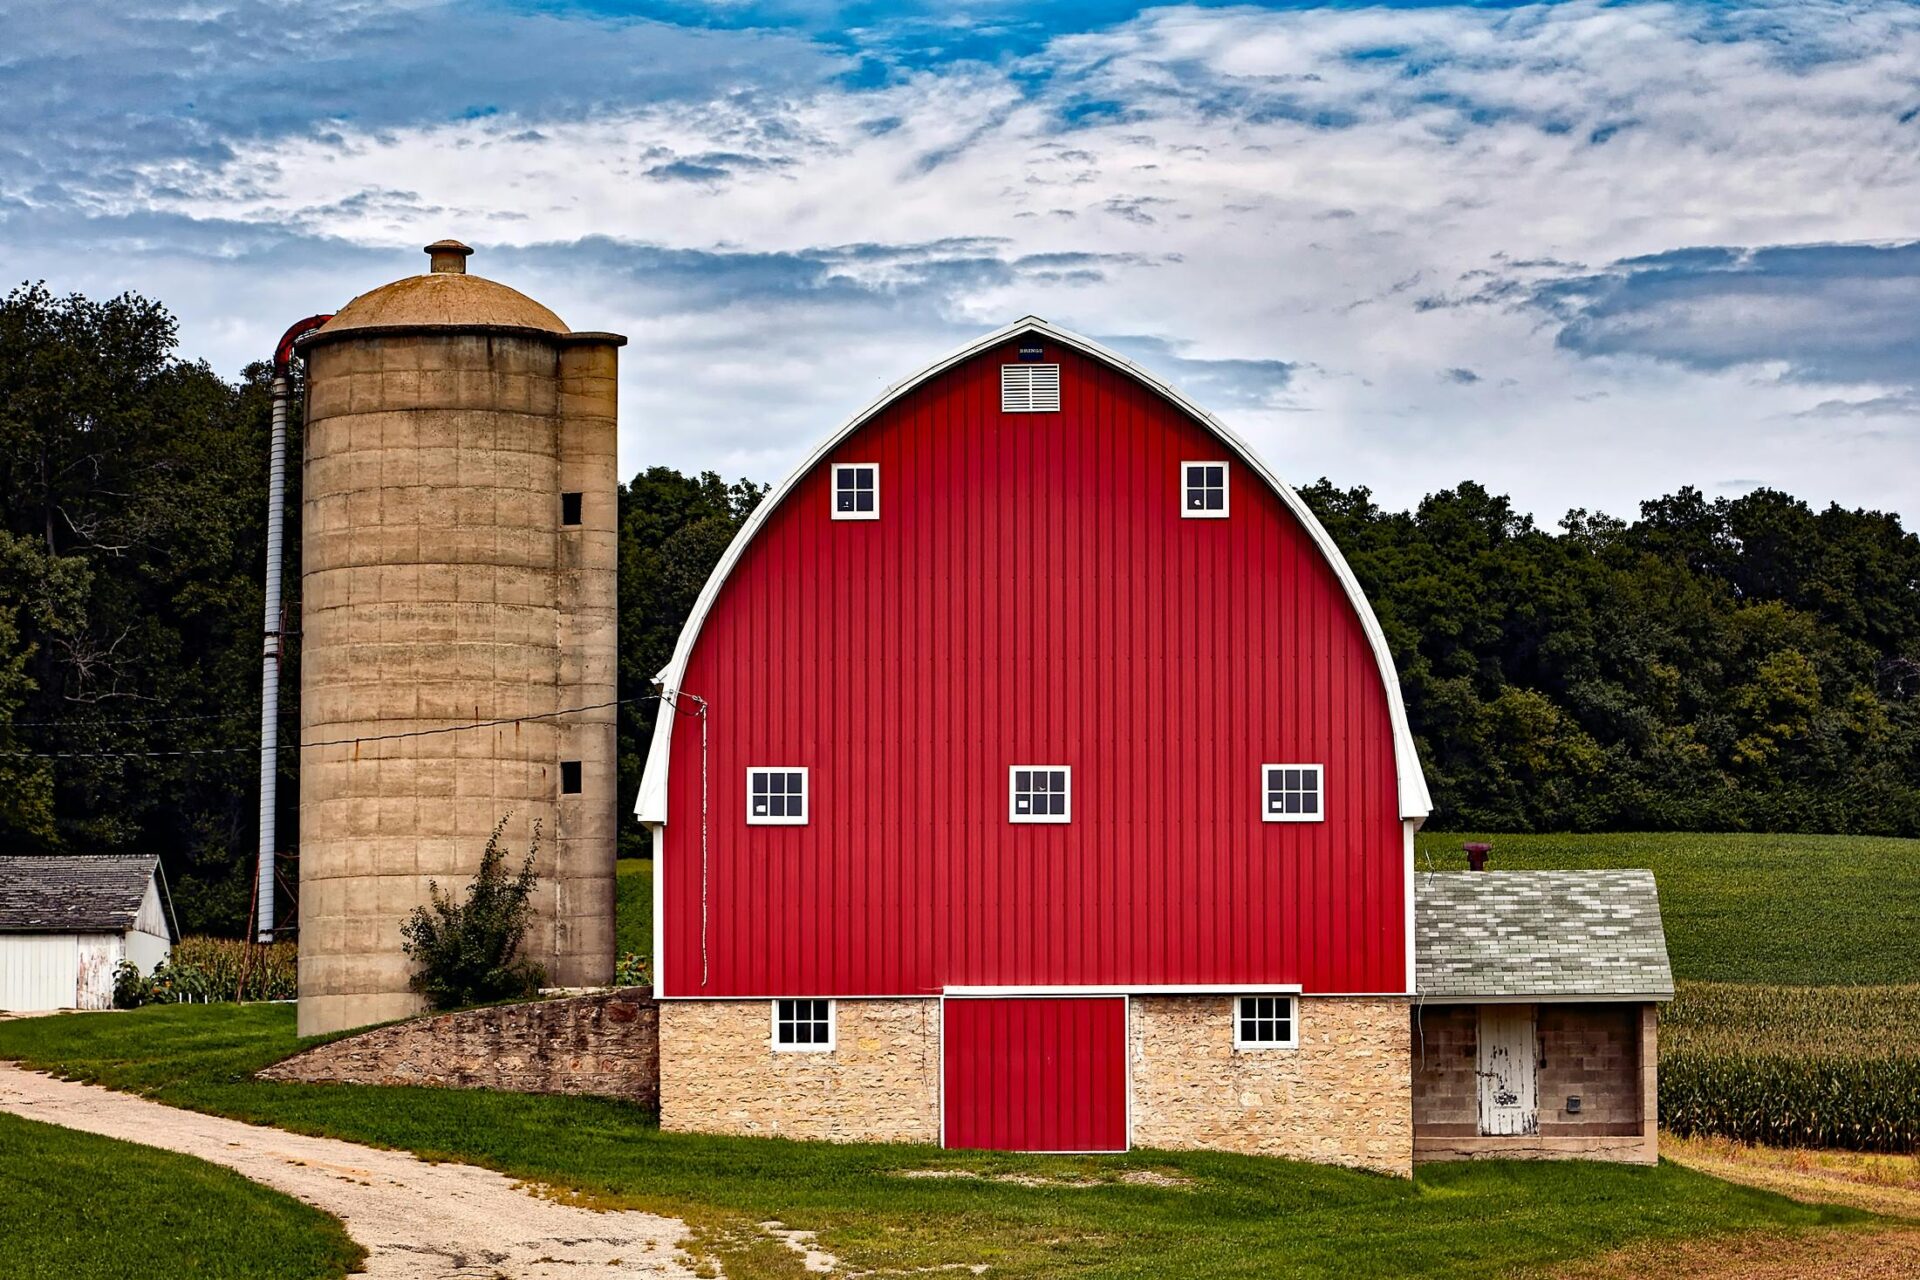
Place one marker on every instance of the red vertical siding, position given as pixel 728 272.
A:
pixel 1035 1074
pixel 1032 595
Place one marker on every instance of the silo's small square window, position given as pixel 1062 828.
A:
pixel 1040 793
pixel 777 797
pixel 569 508
pixel 1203 490
pixel 1265 1022
pixel 569 777
pixel 803 1026
pixel 1293 792
pixel 856 491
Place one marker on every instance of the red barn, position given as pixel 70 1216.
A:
pixel 1032 774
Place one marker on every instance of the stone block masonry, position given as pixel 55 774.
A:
pixel 1344 1096
pixel 719 1072
pixel 607 1044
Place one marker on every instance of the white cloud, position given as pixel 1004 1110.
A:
pixel 1297 186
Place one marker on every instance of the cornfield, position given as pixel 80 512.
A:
pixel 220 962
pixel 1794 1066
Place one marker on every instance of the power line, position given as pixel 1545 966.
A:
pixel 329 742
pixel 93 724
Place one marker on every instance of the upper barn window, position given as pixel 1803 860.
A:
pixel 856 491
pixel 1029 388
pixel 777 797
pixel 1040 793
pixel 1292 792
pixel 1203 490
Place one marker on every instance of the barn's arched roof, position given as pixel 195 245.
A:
pixel 1415 802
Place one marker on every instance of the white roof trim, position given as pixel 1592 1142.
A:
pixel 1415 801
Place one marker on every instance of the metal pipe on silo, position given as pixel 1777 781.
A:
pixel 281 391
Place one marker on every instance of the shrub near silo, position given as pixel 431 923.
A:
pixel 468 952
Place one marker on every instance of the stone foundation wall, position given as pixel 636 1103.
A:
pixel 606 1044
pixel 881 1082
pixel 1343 1097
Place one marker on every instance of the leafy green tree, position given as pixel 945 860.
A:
pixel 140 480
pixel 673 531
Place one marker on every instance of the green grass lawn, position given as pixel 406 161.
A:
pixel 78 1205
pixel 1787 910
pixel 634 906
pixel 1224 1216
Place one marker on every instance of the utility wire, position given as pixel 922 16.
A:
pixel 329 742
pixel 77 725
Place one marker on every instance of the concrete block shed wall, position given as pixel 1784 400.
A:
pixel 1605 1053
pixel 439 588
pixel 1341 1097
pixel 719 1072
pixel 606 1044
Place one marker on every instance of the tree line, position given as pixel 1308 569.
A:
pixel 1731 664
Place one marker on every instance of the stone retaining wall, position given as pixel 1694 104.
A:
pixel 607 1044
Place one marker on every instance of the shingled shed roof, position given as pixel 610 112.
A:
pixel 73 893
pixel 1540 935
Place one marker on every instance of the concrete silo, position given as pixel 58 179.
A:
pixel 459 554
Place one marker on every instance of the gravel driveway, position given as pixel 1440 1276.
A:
pixel 416 1220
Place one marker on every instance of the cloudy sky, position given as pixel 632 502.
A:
pixel 1584 253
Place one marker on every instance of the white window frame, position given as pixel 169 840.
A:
pixel 1320 786
pixel 833 494
pixel 1226 490
pixel 833 1028
pixel 806 796
pixel 1013 799
pixel 1033 368
pixel 1293 1021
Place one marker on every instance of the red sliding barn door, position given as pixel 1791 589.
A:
pixel 1036 1073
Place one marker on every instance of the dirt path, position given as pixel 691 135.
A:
pixel 416 1220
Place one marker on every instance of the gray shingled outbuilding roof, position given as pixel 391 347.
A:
pixel 73 893
pixel 1541 935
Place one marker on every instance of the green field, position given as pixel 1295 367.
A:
pixel 1188 1214
pixel 1786 910
pixel 78 1205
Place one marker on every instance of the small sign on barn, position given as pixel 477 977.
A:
pixel 67 921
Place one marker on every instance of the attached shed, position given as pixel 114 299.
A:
pixel 1535 1031
pixel 67 921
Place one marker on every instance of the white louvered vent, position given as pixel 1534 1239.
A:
pixel 1029 388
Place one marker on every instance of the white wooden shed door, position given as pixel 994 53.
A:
pixel 1509 1071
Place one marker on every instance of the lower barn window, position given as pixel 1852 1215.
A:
pixel 1264 1022
pixel 1040 793
pixel 1292 793
pixel 803 1026
pixel 777 797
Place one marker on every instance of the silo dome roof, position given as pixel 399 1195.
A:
pixel 445 298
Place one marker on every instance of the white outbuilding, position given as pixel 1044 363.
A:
pixel 68 920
